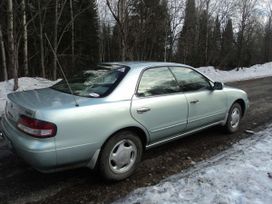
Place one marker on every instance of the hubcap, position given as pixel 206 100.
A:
pixel 122 156
pixel 235 118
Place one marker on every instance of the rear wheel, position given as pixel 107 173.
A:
pixel 120 156
pixel 234 118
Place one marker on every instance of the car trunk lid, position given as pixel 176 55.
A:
pixel 28 102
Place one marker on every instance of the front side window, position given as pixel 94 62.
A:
pixel 157 81
pixel 95 83
pixel 190 80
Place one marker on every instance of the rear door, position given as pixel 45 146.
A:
pixel 159 105
pixel 206 106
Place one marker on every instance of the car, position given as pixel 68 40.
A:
pixel 105 117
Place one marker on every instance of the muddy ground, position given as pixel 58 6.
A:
pixel 19 183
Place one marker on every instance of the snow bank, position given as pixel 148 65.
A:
pixel 25 83
pixel 242 174
pixel 256 71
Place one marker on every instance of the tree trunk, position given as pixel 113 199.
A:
pixel 11 49
pixel 121 20
pixel 25 42
pixel 4 62
pixel 165 44
pixel 41 40
pixel 207 32
pixel 123 12
pixel 123 49
pixel 72 33
pixel 55 41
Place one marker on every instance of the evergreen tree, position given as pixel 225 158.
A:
pixel 227 55
pixel 105 43
pixel 253 45
pixel 268 41
pixel 115 45
pixel 215 45
pixel 87 34
pixel 187 41
pixel 149 29
pixel 202 35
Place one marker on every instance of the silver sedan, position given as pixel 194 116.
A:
pixel 107 116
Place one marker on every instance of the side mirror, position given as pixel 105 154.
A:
pixel 218 86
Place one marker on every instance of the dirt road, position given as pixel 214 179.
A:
pixel 19 183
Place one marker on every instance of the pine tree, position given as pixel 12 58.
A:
pixel 227 55
pixel 87 34
pixel 187 40
pixel 105 43
pixel 268 41
pixel 216 42
pixel 115 44
pixel 202 34
pixel 149 30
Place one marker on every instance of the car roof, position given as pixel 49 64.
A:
pixel 144 64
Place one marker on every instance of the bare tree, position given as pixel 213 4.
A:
pixel 55 42
pixel 120 13
pixel 41 23
pixel 105 32
pixel 4 63
pixel 176 10
pixel 225 9
pixel 11 45
pixel 72 33
pixel 245 12
pixel 25 40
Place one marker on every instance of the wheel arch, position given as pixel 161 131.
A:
pixel 137 130
pixel 242 103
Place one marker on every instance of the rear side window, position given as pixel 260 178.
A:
pixel 157 81
pixel 94 83
pixel 190 80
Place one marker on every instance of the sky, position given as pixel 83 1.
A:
pixel 263 9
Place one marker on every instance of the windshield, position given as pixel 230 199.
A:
pixel 93 83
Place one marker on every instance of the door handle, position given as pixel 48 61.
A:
pixel 143 110
pixel 194 101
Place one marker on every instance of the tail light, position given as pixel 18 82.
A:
pixel 36 128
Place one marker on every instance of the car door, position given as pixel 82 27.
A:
pixel 206 105
pixel 159 105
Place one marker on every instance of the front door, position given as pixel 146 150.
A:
pixel 206 106
pixel 159 105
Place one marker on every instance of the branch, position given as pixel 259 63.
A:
pixel 66 28
pixel 116 18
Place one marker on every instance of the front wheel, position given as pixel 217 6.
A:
pixel 120 156
pixel 234 118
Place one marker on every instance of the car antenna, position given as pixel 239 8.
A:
pixel 62 72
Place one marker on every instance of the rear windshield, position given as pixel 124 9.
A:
pixel 95 83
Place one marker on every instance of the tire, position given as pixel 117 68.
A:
pixel 120 156
pixel 234 118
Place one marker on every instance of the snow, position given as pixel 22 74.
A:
pixel 256 71
pixel 242 174
pixel 25 83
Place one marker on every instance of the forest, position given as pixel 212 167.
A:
pixel 39 36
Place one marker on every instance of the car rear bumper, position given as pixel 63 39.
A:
pixel 39 153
